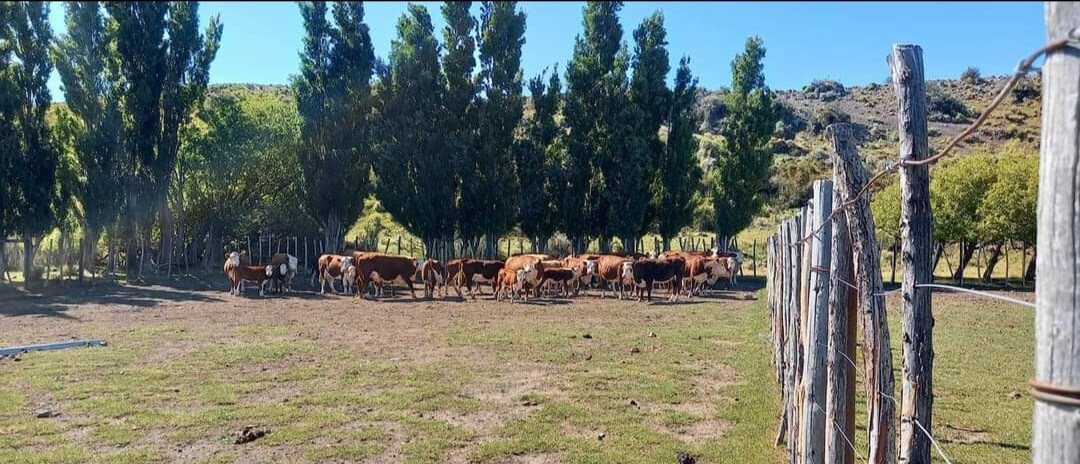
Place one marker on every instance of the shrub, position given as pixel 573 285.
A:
pixel 825 90
pixel 1025 90
pixel 971 75
pixel 825 115
pixel 943 107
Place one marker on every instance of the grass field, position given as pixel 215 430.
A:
pixel 342 380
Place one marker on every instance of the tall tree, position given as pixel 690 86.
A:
pixel 958 189
pixel 649 104
pixel 540 155
pixel 411 152
pixel 741 169
pixel 677 171
pixel 459 66
pixel 489 201
pixel 29 36
pixel 165 62
pixel 9 134
pixel 334 98
pixel 594 108
pixel 89 72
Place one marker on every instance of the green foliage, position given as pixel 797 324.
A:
pixel 90 72
pixel 460 119
pixel 9 133
pixel 971 75
pixel 239 168
pixel 825 115
pixel 594 110
pixel 956 191
pixel 34 163
pixel 334 99
pixel 650 106
pixel 741 167
pixel 411 165
pixel 885 206
pixel 944 107
pixel 1008 210
pixel 540 154
pixel 488 203
pixel 825 89
pixel 678 173
pixel 793 180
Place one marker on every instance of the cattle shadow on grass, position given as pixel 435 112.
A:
pixel 55 300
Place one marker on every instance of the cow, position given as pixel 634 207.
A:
pixel 379 268
pixel 540 256
pixel 615 270
pixel 329 269
pixel 232 261
pixel 649 271
pixel 511 282
pixel 699 271
pixel 434 275
pixel 279 277
pixel 737 260
pixel 534 267
pixel 473 271
pixel 258 274
pixel 725 268
pixel 290 260
pixel 348 278
pixel 586 270
pixel 562 277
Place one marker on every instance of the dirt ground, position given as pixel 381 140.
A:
pixel 340 379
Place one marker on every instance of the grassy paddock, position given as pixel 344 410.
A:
pixel 343 380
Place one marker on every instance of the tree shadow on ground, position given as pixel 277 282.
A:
pixel 55 299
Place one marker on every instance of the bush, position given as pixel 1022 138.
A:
pixel 971 75
pixel 825 115
pixel 1025 90
pixel 825 90
pixel 943 107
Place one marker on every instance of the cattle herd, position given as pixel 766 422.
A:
pixel 519 277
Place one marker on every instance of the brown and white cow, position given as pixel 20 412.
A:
pixel 586 270
pixel 232 261
pixel 434 275
pixel 378 268
pixel 736 263
pixel 616 271
pixel 533 266
pixel 289 260
pixel 330 268
pixel 260 275
pixel 562 278
pixel 468 272
pixel 650 271
pixel 510 282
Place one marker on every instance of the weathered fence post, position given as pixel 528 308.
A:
pixel 877 359
pixel 840 390
pixel 1056 426
pixel 754 257
pixel 812 423
pixel 794 327
pixel 917 322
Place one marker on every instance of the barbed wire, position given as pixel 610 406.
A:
pixel 1022 69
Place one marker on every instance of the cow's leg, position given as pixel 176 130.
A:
pixel 412 291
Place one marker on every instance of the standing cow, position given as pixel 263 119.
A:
pixel 586 271
pixel 472 271
pixel 329 269
pixel 650 271
pixel 615 271
pixel 534 267
pixel 434 275
pixel 291 262
pixel 379 269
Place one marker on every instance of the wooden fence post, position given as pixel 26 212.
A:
pixel 794 325
pixel 840 389
pixel 873 323
pixel 754 256
pixel 917 320
pixel 1055 436
pixel 783 272
pixel 812 423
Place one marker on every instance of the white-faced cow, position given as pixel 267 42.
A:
pixel 378 268
pixel 329 269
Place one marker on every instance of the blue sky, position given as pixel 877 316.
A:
pixel 805 41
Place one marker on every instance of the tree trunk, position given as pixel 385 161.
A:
pixel 3 258
pixel 165 222
pixel 722 242
pixel 491 246
pixel 939 251
pixel 333 236
pixel 967 250
pixel 991 263
pixel 895 248
pixel 916 239
pixel 28 259
pixel 629 244
pixel 1056 423
pixel 1029 273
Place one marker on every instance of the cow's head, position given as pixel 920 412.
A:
pixel 269 270
pixel 524 274
pixel 652 255
pixel 346 261
pixel 716 252
pixel 348 273
pixel 627 271
pixel 283 268
pixel 576 272
pixel 590 267
pixel 234 258
pixel 293 262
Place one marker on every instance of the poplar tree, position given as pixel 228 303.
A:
pixel 165 64
pixel 459 66
pixel 490 200
pixel 35 159
pixel 539 163
pixel 412 159
pixel 9 135
pixel 595 103
pixel 741 170
pixel 677 172
pixel 334 99
pixel 89 72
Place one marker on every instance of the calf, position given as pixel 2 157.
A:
pixel 329 269
pixel 586 270
pixel 510 282
pixel 279 277
pixel 736 263
pixel 348 278
pixel 258 274
pixel 562 277
pixel 381 268
pixel 649 271
pixel 614 270
pixel 434 275
pixel 534 267
pixel 473 271
pixel 291 262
